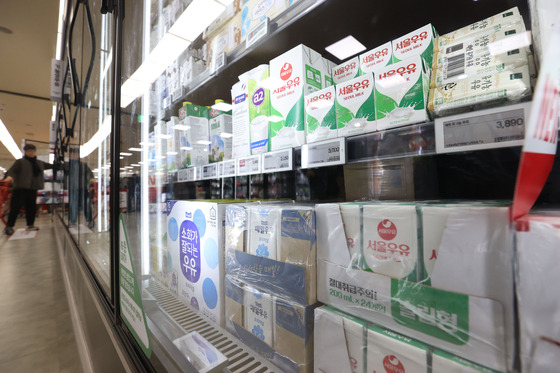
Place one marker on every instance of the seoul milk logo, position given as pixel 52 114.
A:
pixel 286 71
pixel 387 230
pixel 392 364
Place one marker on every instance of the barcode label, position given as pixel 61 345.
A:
pixel 455 66
pixel 508 138
pixel 454 48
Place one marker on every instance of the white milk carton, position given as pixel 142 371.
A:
pixel 355 106
pixel 258 314
pixel 241 142
pixel 195 239
pixel 327 78
pixel 351 214
pixel 401 94
pixel 300 71
pixel 196 118
pixel 388 351
pixel 173 144
pixel 346 71
pixel 416 43
pixel 390 240
pixel 220 136
pixel 264 225
pixel 259 110
pixel 320 115
pixel 376 58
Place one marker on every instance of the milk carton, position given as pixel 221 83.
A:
pixel 355 106
pixel 258 314
pixel 220 135
pixel 241 146
pixel 416 43
pixel 401 94
pixel 197 136
pixel 346 71
pixel 376 58
pixel 390 241
pixel 391 352
pixel 320 115
pixel 259 110
pixel 173 144
pixel 263 233
pixel 327 78
pixel 301 72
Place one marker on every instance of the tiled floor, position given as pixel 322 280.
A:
pixel 35 327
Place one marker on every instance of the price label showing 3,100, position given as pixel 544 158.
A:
pixel 278 161
pixel 325 153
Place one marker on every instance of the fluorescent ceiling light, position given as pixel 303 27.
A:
pixel 345 48
pixel 163 136
pixel 148 72
pixel 168 49
pixel 172 153
pixel 135 149
pixel 198 15
pixel 121 157
pixel 9 142
pixel 97 139
pixel 225 135
pixel 271 83
pixel 140 163
pixel 186 147
pixel 135 165
pixel 146 143
pixel 203 142
pixel 181 127
pixel 126 154
pixel 129 167
pixel 160 156
pixel 222 106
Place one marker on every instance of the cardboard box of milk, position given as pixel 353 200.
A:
pixel 419 42
pixel 355 106
pixel 195 243
pixel 300 71
pixel 320 115
pixel 346 71
pixel 401 94
pixel 241 141
pixel 443 362
pixel 259 110
pixel 220 136
pixel 376 58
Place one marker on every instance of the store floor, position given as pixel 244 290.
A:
pixel 35 325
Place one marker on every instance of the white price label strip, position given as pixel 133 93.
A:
pixel 183 175
pixel 325 153
pixel 257 33
pixel 198 173
pixel 191 175
pixel 249 165
pixel 278 161
pixel 486 129
pixel 210 171
pixel 228 168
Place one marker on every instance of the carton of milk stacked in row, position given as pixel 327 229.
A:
pixel 241 141
pixel 259 110
pixel 219 123
pixel 193 150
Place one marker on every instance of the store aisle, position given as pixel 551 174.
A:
pixel 35 325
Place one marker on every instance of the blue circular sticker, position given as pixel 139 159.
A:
pixel 173 229
pixel 200 220
pixel 211 253
pixel 258 97
pixel 210 293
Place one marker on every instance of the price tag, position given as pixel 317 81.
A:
pixel 191 174
pixel 485 129
pixel 229 168
pixel 249 165
pixel 220 169
pixel 167 102
pixel 198 173
pixel 277 161
pixel 257 33
pixel 324 153
pixel 183 175
pixel 219 62
pixel 210 171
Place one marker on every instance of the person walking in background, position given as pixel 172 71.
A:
pixel 80 177
pixel 27 174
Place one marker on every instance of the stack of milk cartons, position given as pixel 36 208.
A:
pixel 347 344
pixel 271 281
pixel 483 64
pixel 440 273
pixel 241 141
pixel 193 150
pixel 219 123
pixel 294 74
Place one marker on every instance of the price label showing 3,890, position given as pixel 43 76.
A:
pixel 486 129
pixel 278 161
pixel 325 153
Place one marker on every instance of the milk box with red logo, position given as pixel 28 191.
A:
pixel 346 71
pixel 401 94
pixel 355 106
pixel 390 240
pixel 298 72
pixel 416 43
pixel 376 58
pixel 391 352
pixel 320 115
pixel 241 141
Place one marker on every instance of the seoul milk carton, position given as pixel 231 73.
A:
pixel 220 135
pixel 376 58
pixel 300 71
pixel 327 78
pixel 355 106
pixel 401 94
pixel 416 43
pixel 346 71
pixel 195 242
pixel 241 142
pixel 259 110
pixel 320 115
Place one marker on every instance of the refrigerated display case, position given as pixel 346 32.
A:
pixel 156 241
